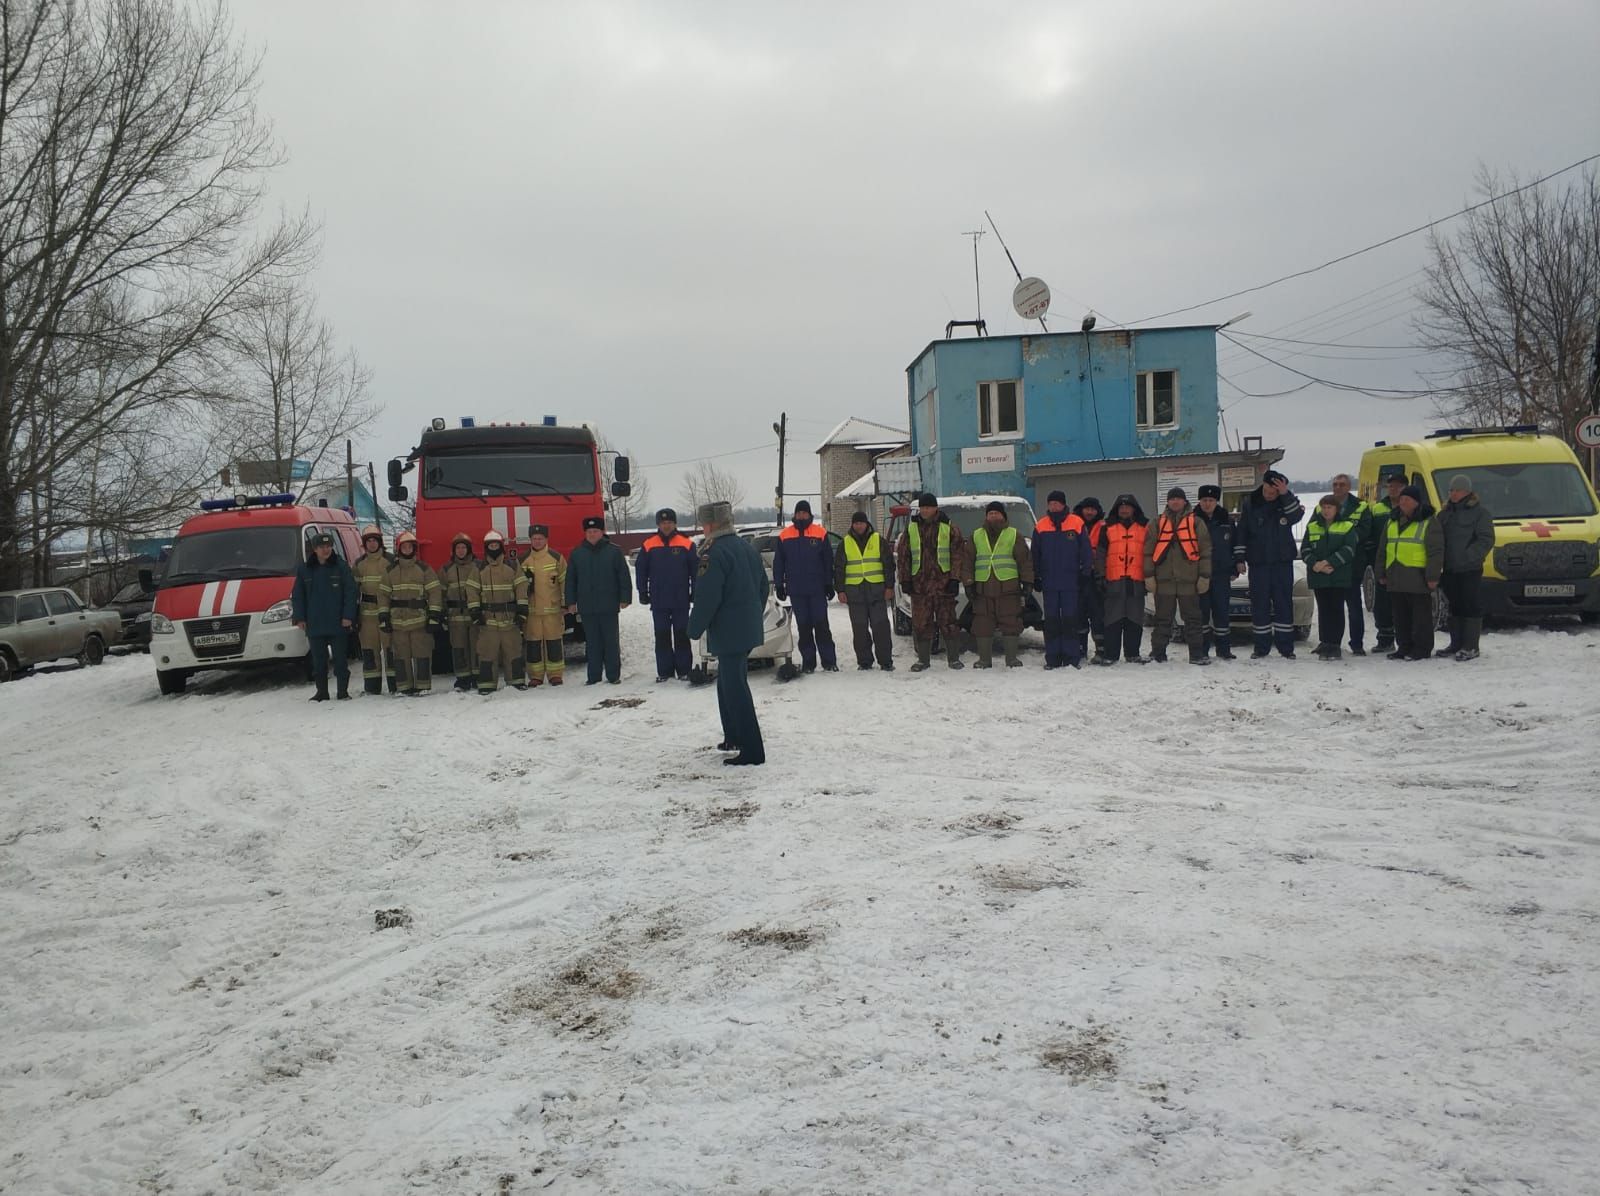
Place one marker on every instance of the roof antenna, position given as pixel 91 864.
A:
pixel 978 325
pixel 1031 297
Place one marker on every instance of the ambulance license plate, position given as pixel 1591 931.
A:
pixel 216 641
pixel 1568 591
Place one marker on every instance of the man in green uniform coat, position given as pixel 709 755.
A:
pixel 730 598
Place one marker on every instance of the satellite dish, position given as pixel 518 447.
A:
pixel 1030 298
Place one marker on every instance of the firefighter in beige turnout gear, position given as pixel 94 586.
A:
pixel 502 609
pixel 458 581
pixel 546 571
pixel 377 660
pixel 410 606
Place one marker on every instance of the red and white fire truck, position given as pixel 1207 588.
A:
pixel 223 600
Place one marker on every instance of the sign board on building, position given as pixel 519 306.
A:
pixel 989 459
pixel 1240 477
pixel 1589 431
pixel 1190 477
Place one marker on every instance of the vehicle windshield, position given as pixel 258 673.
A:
pixel 132 592
pixel 970 519
pixel 233 552
pixel 1525 489
pixel 530 472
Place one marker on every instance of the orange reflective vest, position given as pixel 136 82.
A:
pixel 1072 523
pixel 1125 552
pixel 1097 532
pixel 678 540
pixel 814 531
pixel 1187 540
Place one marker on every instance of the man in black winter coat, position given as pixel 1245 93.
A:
pixel 1468 540
pixel 1265 543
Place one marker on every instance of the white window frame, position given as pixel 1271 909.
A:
pixel 989 398
pixel 1177 400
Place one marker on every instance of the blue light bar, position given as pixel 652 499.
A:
pixel 271 500
pixel 468 422
pixel 549 421
pixel 216 504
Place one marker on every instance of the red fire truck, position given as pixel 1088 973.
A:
pixel 504 477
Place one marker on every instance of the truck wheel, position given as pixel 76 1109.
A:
pixel 93 653
pixel 1369 589
pixel 902 622
pixel 171 681
pixel 1441 611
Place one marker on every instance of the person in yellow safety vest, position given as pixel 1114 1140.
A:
pixel 1177 570
pixel 458 582
pixel 411 607
pixel 1002 571
pixel 1383 510
pixel 930 560
pixel 546 570
pixel 1359 514
pixel 502 610
pixel 1409 566
pixel 377 660
pixel 862 569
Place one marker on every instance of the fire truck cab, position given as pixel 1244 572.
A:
pixel 223 601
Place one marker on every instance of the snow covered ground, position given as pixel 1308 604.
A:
pixel 1280 927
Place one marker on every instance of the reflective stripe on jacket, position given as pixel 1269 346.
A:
pixel 997 560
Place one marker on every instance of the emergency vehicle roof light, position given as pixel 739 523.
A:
pixel 1502 430
pixel 268 500
pixel 218 504
pixel 468 422
pixel 549 421
pixel 437 424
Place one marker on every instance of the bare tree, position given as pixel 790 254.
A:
pixel 297 394
pixel 1513 298
pixel 706 483
pixel 131 165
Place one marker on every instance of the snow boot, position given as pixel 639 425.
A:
pixel 1454 645
pixel 1159 654
pixel 924 651
pixel 1384 646
pixel 1009 643
pixel 1224 649
pixel 322 691
pixel 344 690
pixel 1471 631
pixel 1197 654
pixel 952 655
pixel 985 647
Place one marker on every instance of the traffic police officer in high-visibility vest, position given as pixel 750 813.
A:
pixel 502 610
pixel 458 582
pixel 1063 567
pixel 1119 564
pixel 410 607
pixel 1356 512
pixel 1002 571
pixel 1177 570
pixel 546 570
pixel 664 573
pixel 1331 547
pixel 1409 566
pixel 929 560
pixel 862 569
pixel 377 660
pixel 1383 510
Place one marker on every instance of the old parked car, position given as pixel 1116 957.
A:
pixel 41 625
pixel 133 603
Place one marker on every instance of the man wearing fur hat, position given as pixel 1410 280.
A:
pixel 1002 569
pixel 730 601
pixel 1468 540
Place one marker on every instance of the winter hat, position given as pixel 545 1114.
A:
pixel 666 513
pixel 1461 482
pixel 996 506
pixel 1211 492
pixel 594 521
pixel 860 517
pixel 718 516
pixel 538 529
pixel 1177 492
pixel 1413 492
pixel 1273 476
pixel 1089 502
pixel 802 505
pixel 926 499
pixel 1059 496
pixel 322 540
pixel 1396 479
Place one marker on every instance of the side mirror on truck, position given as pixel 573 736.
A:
pixel 397 492
pixel 622 471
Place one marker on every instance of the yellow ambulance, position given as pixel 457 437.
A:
pixel 1546 517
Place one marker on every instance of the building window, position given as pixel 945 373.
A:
pixel 999 409
pixel 1156 405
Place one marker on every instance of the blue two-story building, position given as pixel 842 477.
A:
pixel 1086 412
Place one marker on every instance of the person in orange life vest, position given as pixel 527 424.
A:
pixel 1177 570
pixel 664 571
pixel 1119 564
pixel 802 573
pixel 1063 569
pixel 1093 622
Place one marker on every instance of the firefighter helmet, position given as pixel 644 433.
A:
pixel 494 536
pixel 371 533
pixel 461 538
pixel 404 538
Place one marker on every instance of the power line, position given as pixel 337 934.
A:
pixel 1345 257
pixel 1261 336
pixel 755 448
pixel 1377 392
pixel 1248 394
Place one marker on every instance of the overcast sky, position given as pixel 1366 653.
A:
pixel 678 219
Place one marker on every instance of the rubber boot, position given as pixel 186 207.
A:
pixel 1471 630
pixel 343 694
pixel 952 653
pixel 1454 645
pixel 985 646
pixel 1197 654
pixel 1009 643
pixel 321 694
pixel 924 652
pixel 1158 653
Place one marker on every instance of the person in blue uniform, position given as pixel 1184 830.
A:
pixel 664 572
pixel 730 599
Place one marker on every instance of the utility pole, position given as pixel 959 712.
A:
pixel 377 507
pixel 782 429
pixel 350 478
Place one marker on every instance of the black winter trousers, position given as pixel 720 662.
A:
pixel 1413 623
pixel 1124 638
pixel 321 646
pixel 869 625
pixel 1330 616
pixel 1463 590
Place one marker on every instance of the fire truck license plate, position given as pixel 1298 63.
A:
pixel 1550 591
pixel 216 641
